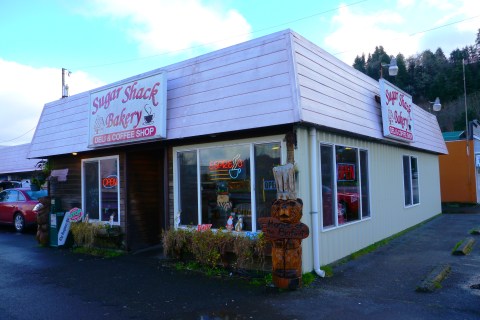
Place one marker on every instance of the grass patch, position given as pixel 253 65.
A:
pixel 308 278
pixel 475 231
pixel 99 252
pixel 457 245
pixel 328 269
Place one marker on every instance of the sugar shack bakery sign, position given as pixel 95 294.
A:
pixel 397 113
pixel 128 112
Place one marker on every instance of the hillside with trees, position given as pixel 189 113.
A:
pixel 429 74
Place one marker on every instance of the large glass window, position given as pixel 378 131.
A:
pixel 101 189
pixel 410 180
pixel 328 185
pixel 267 156
pixel 225 185
pixel 187 164
pixel 345 191
pixel 225 175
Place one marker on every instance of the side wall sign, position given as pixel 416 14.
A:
pixel 129 112
pixel 397 112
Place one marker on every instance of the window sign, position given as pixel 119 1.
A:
pixel 346 172
pixel 128 112
pixel 397 112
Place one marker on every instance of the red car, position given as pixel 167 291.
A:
pixel 16 207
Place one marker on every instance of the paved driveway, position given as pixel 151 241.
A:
pixel 381 285
pixel 49 283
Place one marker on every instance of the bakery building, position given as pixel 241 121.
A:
pixel 194 143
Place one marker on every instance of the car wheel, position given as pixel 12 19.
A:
pixel 19 222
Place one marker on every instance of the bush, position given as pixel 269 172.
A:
pixel 211 248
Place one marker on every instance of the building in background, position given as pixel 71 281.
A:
pixel 460 168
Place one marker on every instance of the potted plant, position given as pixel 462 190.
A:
pixel 36 184
pixel 39 175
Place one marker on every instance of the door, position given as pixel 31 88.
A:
pixel 145 200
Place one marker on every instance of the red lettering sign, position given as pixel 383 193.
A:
pixel 345 172
pixel 110 182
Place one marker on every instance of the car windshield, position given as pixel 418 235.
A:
pixel 35 195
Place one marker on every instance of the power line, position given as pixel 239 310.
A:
pixel 420 32
pixel 24 134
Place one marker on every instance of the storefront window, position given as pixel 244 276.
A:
pixel 364 183
pixel 267 156
pixel 225 185
pixel 346 198
pixel 101 189
pixel 225 174
pixel 187 164
pixel 410 180
pixel 327 168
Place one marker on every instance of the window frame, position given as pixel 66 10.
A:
pixel 334 200
pixel 98 159
pixel 251 144
pixel 410 176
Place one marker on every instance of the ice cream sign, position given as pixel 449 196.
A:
pixel 397 112
pixel 129 111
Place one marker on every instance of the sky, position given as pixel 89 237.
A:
pixel 104 41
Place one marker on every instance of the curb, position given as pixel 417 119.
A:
pixel 434 278
pixel 465 247
pixel 475 231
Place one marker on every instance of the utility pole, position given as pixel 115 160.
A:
pixel 64 85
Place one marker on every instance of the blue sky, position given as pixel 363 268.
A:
pixel 103 41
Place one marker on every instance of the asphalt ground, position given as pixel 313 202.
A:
pixel 52 283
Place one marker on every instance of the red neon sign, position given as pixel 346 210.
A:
pixel 110 182
pixel 225 164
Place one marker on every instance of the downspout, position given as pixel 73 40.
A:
pixel 314 201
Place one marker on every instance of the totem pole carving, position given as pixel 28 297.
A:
pixel 285 231
pixel 42 209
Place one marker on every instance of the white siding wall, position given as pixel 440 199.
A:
pixel 281 78
pixel 388 213
pixel 335 95
pixel 241 87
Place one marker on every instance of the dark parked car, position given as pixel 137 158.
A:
pixel 7 184
pixel 16 207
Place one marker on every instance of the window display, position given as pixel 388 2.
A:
pixel 346 198
pixel 224 176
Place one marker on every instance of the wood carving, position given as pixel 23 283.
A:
pixel 285 180
pixel 285 231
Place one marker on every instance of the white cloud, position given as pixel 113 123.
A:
pixel 409 27
pixel 23 92
pixel 169 26
pixel 357 33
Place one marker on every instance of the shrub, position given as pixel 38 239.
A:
pixel 210 247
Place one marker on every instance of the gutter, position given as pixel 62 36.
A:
pixel 314 201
